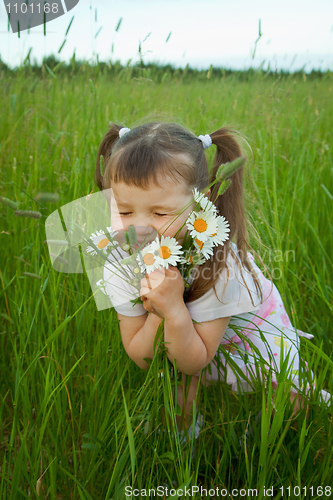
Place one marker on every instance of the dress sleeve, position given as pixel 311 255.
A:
pixel 121 293
pixel 234 300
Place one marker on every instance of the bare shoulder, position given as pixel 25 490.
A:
pixel 212 333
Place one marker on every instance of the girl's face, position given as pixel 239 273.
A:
pixel 153 208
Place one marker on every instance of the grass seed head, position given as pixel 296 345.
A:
pixel 228 169
pixel 32 275
pixel 47 197
pixel 9 203
pixel 28 213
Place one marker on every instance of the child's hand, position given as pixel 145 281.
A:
pixel 162 292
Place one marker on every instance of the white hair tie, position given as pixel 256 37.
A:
pixel 123 131
pixel 206 140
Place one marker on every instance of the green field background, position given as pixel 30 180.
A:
pixel 79 419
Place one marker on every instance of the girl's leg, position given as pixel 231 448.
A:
pixel 299 403
pixel 186 404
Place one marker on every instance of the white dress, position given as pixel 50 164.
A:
pixel 259 339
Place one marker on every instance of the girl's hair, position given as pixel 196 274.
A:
pixel 154 151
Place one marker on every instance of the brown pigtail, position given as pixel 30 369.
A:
pixel 230 204
pixel 105 150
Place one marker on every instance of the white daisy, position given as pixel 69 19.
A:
pixel 168 251
pixel 202 224
pixel 147 259
pixel 111 232
pixel 101 241
pixel 204 202
pixel 192 258
pixel 221 234
pixel 205 247
pixel 101 285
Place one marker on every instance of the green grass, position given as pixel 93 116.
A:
pixel 77 414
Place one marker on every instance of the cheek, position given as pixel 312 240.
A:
pixel 175 226
pixel 116 222
pixel 181 234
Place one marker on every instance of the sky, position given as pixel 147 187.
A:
pixel 295 34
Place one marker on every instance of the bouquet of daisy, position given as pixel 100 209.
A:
pixel 205 229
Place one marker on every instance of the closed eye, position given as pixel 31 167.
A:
pixel 128 213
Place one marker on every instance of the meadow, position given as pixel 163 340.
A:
pixel 79 420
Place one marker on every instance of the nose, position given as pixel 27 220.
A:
pixel 145 233
pixel 141 230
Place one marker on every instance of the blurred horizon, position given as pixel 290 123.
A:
pixel 279 35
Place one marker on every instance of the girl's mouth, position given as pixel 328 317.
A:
pixel 143 235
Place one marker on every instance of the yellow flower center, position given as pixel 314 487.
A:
pixel 103 243
pixel 199 243
pixel 200 225
pixel 149 259
pixel 165 252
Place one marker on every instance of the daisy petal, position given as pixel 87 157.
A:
pixel 202 225
pixel 204 202
pixel 168 251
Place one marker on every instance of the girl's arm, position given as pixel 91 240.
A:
pixel 138 335
pixel 192 346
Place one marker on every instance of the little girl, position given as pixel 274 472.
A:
pixel 152 171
